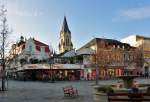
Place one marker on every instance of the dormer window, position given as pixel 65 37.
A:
pixel 38 48
pixel 123 46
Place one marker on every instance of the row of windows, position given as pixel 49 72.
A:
pixel 38 48
pixel 119 46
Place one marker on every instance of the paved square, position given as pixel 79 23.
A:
pixel 29 91
pixel 35 91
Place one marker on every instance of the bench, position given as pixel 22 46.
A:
pixel 70 91
pixel 129 97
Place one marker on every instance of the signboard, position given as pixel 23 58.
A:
pixel 57 66
pixel 48 66
pixel 66 66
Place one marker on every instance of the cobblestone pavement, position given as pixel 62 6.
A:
pixel 30 91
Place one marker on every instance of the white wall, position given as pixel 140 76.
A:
pixel 34 53
pixel 130 40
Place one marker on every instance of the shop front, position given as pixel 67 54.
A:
pixel 47 72
pixel 108 73
pixel 65 74
pixel 103 73
pixel 67 71
pixel 89 74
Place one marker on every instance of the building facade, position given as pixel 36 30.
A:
pixel 66 66
pixel 24 53
pixel 111 57
pixel 32 60
pixel 65 43
pixel 142 43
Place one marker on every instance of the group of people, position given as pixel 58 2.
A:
pixel 136 90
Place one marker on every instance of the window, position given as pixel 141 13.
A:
pixel 126 57
pixel 61 41
pixel 38 48
pixel 131 57
pixel 114 46
pixel 30 48
pixel 123 46
pixel 66 41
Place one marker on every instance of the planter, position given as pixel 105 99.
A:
pixel 99 96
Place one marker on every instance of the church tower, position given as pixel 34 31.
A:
pixel 65 43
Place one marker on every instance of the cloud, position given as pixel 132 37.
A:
pixel 16 8
pixel 25 13
pixel 135 13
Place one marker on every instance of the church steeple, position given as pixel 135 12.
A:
pixel 65 27
pixel 65 43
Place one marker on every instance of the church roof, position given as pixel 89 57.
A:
pixel 65 27
pixel 39 43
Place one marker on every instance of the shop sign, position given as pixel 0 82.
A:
pixel 90 66
pixel 66 66
pixel 53 66
pixel 58 66
pixel 30 67
pixel 36 66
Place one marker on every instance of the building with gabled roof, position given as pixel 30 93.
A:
pixel 25 55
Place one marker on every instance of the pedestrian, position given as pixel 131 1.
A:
pixel 133 90
pixel 146 75
pixel 88 76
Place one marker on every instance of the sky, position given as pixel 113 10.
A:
pixel 42 19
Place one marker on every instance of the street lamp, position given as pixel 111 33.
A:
pixel 51 65
pixel 97 70
pixel 97 75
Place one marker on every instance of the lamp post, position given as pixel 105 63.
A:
pixel 97 75
pixel 97 71
pixel 51 70
pixel 52 76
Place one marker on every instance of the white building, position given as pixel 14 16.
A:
pixel 35 49
pixel 26 52
pixel 30 59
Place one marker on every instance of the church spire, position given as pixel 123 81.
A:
pixel 65 43
pixel 65 27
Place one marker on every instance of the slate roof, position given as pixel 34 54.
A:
pixel 39 43
pixel 65 27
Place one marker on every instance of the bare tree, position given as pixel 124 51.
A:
pixel 4 32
